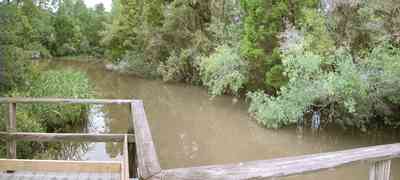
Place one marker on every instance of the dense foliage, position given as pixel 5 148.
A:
pixel 54 28
pixel 350 85
pixel 291 58
pixel 29 31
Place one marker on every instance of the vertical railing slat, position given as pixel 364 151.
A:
pixel 132 145
pixel 11 127
pixel 380 170
pixel 126 158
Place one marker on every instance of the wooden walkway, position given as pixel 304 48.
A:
pixel 140 158
pixel 28 175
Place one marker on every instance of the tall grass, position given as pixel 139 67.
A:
pixel 50 117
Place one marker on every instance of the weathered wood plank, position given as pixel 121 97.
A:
pixel 132 146
pixel 122 171
pixel 61 100
pixel 380 170
pixel 54 137
pixel 285 166
pixel 126 159
pixel 148 163
pixel 60 166
pixel 11 127
pixel 27 175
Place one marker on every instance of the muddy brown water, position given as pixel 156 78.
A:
pixel 190 129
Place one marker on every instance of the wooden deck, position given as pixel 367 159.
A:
pixel 18 169
pixel 140 158
pixel 60 170
pixel 28 175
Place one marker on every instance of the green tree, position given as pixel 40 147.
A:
pixel 263 21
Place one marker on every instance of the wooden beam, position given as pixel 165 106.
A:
pixel 148 163
pixel 380 170
pixel 125 159
pixel 132 146
pixel 269 169
pixel 11 127
pixel 54 137
pixel 60 166
pixel 66 101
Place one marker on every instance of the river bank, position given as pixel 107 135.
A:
pixel 189 129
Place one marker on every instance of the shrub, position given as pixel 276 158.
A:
pixel 66 50
pixel 275 78
pixel 224 70
pixel 174 69
pixel 136 64
pixel 84 46
pixel 355 94
pixel 17 70
pixel 40 49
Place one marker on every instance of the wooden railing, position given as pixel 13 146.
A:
pixel 379 158
pixel 11 136
pixel 143 153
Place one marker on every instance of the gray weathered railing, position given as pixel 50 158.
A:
pixel 149 167
pixel 11 136
pixel 379 156
pixel 144 156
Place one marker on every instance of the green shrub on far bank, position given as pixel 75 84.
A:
pixel 179 66
pixel 224 71
pixel 136 64
pixel 360 95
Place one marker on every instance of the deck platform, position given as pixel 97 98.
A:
pixel 139 157
pixel 27 175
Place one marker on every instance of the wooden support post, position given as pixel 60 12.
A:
pixel 132 146
pixel 11 127
pixel 380 170
pixel 126 159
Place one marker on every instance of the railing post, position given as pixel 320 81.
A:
pixel 11 127
pixel 132 146
pixel 380 170
pixel 126 158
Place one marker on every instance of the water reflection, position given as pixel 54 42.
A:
pixel 98 122
pixel 64 151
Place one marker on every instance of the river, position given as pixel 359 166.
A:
pixel 190 129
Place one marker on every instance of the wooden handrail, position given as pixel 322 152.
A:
pixel 148 163
pixel 66 101
pixel 56 137
pixel 292 166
